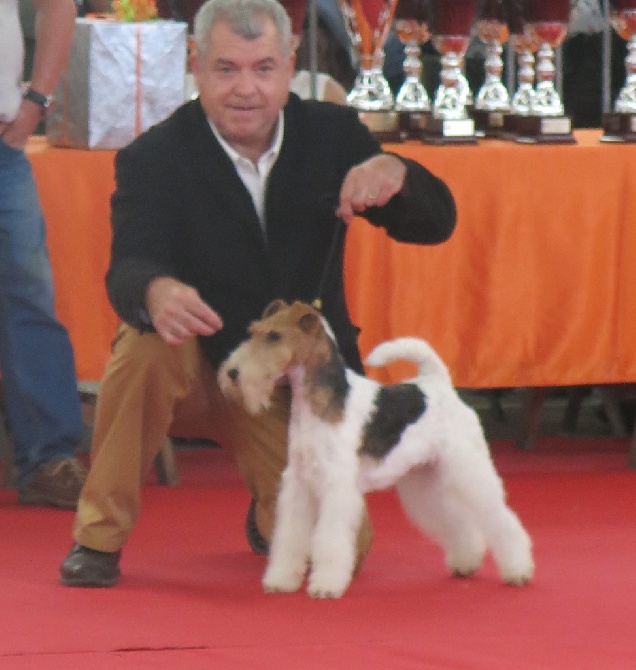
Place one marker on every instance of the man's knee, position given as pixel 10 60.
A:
pixel 147 354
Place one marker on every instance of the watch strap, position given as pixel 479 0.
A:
pixel 38 98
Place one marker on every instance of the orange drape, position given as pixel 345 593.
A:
pixel 537 287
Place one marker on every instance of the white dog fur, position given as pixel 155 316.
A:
pixel 348 435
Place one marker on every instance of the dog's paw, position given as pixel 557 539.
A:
pixel 519 577
pixel 518 580
pixel 324 592
pixel 326 587
pixel 278 581
pixel 466 566
pixel 463 572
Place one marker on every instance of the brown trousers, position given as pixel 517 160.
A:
pixel 143 383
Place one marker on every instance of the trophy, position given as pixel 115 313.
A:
pixel 524 48
pixel 453 21
pixel 620 125
pixel 492 101
pixel 411 25
pixel 547 24
pixel 368 23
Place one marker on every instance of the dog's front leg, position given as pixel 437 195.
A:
pixel 289 548
pixel 333 548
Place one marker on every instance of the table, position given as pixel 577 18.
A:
pixel 537 287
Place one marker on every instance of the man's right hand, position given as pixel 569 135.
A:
pixel 177 311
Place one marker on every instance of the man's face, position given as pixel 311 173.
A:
pixel 243 84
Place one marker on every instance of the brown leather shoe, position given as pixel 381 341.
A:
pixel 89 567
pixel 56 484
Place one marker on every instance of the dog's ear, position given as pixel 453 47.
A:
pixel 309 322
pixel 273 307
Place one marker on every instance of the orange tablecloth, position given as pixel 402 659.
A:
pixel 537 287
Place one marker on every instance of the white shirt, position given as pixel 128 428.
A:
pixel 11 59
pixel 255 176
pixel 586 17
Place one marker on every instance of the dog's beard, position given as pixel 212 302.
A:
pixel 254 394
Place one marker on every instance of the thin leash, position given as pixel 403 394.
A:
pixel 339 230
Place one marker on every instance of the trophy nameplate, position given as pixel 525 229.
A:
pixel 619 127
pixel 534 129
pixel 384 125
pixel 449 131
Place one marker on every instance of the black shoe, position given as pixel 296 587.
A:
pixel 89 567
pixel 257 542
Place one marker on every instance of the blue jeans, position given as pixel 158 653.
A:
pixel 36 357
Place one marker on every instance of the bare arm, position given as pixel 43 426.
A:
pixel 54 26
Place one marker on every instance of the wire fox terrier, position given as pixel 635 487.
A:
pixel 349 435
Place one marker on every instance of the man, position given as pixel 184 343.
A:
pixel 36 358
pixel 231 202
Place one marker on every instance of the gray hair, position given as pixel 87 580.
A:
pixel 245 18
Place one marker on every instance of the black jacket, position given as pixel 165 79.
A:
pixel 180 209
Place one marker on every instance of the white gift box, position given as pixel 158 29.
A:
pixel 121 79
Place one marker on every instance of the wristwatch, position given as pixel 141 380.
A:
pixel 38 98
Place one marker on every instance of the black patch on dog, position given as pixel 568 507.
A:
pixel 397 406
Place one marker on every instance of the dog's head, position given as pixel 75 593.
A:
pixel 287 336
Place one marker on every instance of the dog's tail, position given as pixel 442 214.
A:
pixel 413 349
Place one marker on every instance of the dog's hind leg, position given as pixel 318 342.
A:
pixel 291 538
pixel 484 495
pixel 444 518
pixel 333 549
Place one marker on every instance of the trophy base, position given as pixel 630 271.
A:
pixel 384 125
pixel 449 131
pixel 489 123
pixel 544 130
pixel 413 124
pixel 619 127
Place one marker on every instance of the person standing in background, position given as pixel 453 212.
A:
pixel 36 357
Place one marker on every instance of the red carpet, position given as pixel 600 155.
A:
pixel 190 595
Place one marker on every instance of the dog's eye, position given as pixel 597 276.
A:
pixel 273 336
